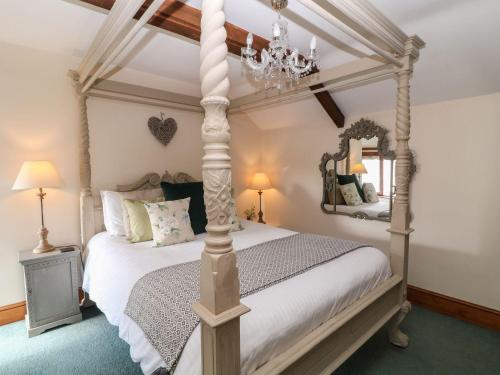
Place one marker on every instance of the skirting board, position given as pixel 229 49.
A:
pixel 17 311
pixel 12 313
pixel 454 307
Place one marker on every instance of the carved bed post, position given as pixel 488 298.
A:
pixel 86 211
pixel 87 224
pixel 219 307
pixel 400 222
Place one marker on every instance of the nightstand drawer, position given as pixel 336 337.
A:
pixel 51 282
pixel 50 291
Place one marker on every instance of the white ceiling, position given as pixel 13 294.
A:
pixel 461 59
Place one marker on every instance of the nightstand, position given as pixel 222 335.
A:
pixel 51 284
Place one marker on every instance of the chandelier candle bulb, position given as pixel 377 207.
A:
pixel 249 40
pixel 313 43
pixel 276 30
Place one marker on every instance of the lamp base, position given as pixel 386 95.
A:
pixel 261 214
pixel 43 244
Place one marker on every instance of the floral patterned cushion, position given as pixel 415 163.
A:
pixel 233 218
pixel 370 193
pixel 170 222
pixel 350 194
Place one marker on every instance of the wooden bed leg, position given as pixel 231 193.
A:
pixel 86 301
pixel 396 337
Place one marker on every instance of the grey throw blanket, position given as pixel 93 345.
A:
pixel 160 302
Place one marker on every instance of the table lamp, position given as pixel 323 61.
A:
pixel 260 182
pixel 38 175
pixel 359 169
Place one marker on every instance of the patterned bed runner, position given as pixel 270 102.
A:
pixel 160 302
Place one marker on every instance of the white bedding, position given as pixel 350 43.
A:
pixel 371 209
pixel 280 315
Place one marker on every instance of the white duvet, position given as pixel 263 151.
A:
pixel 280 315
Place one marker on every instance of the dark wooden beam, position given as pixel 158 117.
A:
pixel 179 18
pixel 329 105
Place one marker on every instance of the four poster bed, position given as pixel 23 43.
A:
pixel 306 318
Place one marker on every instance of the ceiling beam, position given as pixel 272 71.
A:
pixel 329 16
pixel 144 95
pixel 326 100
pixel 353 74
pixel 177 17
pixel 181 19
pixel 115 51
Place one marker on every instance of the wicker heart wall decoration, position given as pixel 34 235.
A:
pixel 162 129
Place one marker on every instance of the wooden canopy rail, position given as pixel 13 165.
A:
pixel 219 308
pixel 144 95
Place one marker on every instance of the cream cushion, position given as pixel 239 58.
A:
pixel 139 226
pixel 170 222
pixel 351 195
pixel 370 193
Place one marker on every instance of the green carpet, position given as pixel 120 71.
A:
pixel 439 345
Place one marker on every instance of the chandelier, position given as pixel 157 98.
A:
pixel 279 64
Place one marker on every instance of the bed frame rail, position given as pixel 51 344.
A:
pixel 327 347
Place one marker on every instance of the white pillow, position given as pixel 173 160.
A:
pixel 112 207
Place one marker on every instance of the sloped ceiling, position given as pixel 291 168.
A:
pixel 461 59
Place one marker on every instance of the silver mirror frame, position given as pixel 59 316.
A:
pixel 361 129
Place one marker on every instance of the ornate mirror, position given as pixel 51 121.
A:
pixel 358 181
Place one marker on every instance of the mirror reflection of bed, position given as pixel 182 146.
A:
pixel 373 174
pixel 358 181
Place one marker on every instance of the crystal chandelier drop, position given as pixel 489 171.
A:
pixel 279 64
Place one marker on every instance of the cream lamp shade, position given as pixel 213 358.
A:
pixel 37 174
pixel 260 181
pixel 358 168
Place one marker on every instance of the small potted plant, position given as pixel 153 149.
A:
pixel 250 213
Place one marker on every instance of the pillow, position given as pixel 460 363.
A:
pixel 370 193
pixel 338 198
pixel 193 190
pixel 126 218
pixel 233 218
pixel 351 195
pixel 351 178
pixel 113 209
pixel 170 222
pixel 140 225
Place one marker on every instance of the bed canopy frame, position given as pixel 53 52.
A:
pixel 329 345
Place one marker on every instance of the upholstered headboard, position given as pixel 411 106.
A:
pixel 92 220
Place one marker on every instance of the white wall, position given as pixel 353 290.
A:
pixel 245 158
pixel 38 120
pixel 123 149
pixel 455 248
